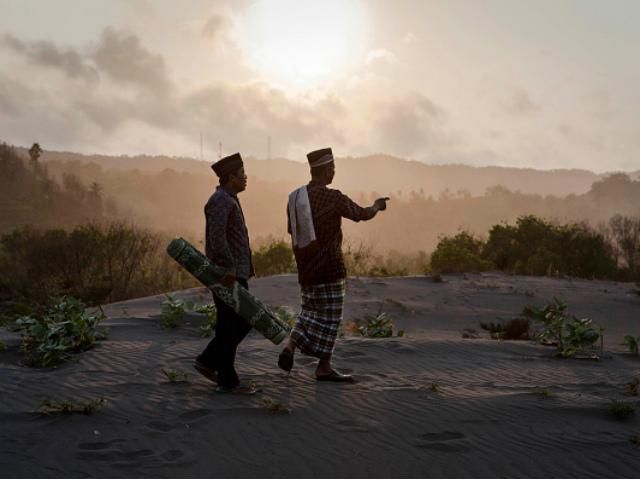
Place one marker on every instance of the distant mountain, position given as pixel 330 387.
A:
pixel 428 201
pixel 380 173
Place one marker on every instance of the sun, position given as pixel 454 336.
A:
pixel 303 42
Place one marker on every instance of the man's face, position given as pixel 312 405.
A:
pixel 239 180
pixel 331 172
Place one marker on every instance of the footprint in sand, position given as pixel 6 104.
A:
pixel 195 414
pixel 353 354
pixel 113 455
pixel 171 455
pixel 443 442
pixel 159 426
pixel 97 445
pixel 353 426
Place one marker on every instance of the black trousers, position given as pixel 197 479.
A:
pixel 220 354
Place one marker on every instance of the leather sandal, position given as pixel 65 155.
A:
pixel 335 376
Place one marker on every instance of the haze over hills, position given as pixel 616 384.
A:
pixel 428 201
pixel 374 173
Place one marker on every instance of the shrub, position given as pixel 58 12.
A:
pixel 625 236
pixel 460 253
pixel 95 263
pixel 515 329
pixel 64 328
pixel 537 247
pixel 358 258
pixel 274 258
pixel 11 311
pixel 360 261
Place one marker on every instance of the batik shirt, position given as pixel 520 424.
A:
pixel 227 237
pixel 324 263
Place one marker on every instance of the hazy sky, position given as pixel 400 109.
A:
pixel 542 84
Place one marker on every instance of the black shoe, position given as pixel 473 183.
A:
pixel 205 371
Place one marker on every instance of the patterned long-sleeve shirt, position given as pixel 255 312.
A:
pixel 227 237
pixel 324 263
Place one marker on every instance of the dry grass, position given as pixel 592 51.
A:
pixel 273 405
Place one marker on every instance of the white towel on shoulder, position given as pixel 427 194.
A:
pixel 302 230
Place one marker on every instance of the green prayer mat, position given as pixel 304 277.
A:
pixel 237 297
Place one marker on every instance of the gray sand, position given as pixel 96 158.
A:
pixel 430 404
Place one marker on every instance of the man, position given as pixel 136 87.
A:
pixel 227 245
pixel 315 214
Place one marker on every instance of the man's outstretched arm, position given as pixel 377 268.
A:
pixel 351 210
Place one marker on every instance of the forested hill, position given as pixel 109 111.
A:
pixel 168 195
pixel 379 173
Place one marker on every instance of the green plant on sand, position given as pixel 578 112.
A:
pixel 632 343
pixel 542 392
pixel 173 310
pixel 210 311
pixel 54 407
pixel 65 327
pixel 622 410
pixel 284 314
pixel 378 326
pixel 470 333
pixel 569 333
pixel 174 376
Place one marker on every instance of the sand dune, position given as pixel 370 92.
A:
pixel 430 404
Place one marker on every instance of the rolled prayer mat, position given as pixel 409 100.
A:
pixel 237 297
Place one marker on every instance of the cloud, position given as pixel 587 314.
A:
pixel 246 114
pixel 576 136
pixel 519 103
pixel 121 57
pixel 380 56
pixel 47 54
pixel 14 97
pixel 240 115
pixel 215 26
pixel 411 125
pixel 410 38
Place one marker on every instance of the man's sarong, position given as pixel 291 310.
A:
pixel 317 325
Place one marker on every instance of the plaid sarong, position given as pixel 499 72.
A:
pixel 317 325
